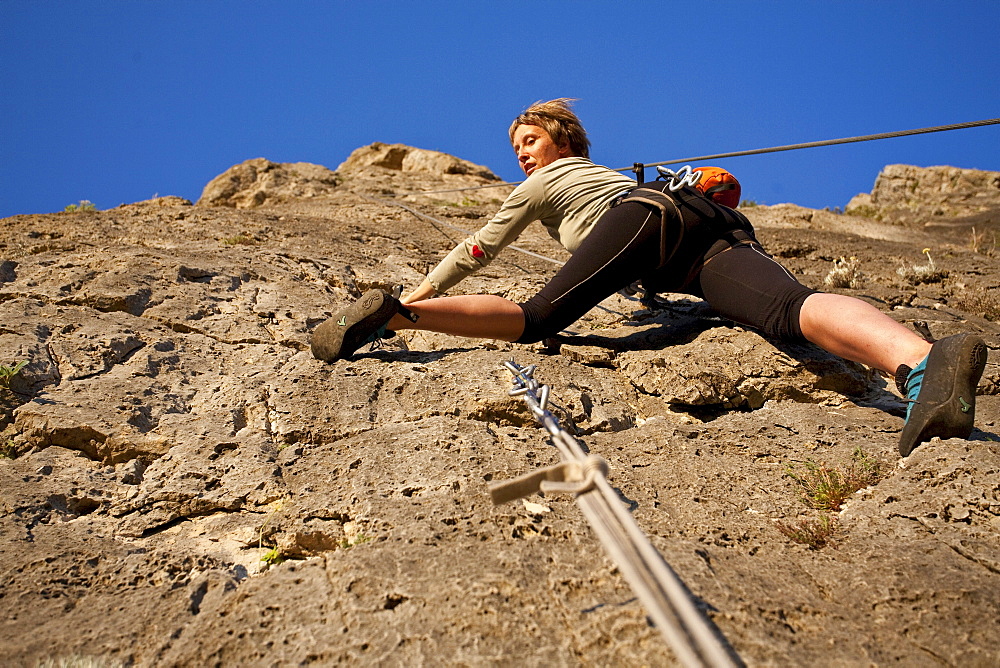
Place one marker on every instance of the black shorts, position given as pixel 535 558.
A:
pixel 717 258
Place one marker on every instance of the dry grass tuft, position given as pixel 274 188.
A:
pixel 980 244
pixel 978 301
pixel 846 273
pixel 825 488
pixel 815 534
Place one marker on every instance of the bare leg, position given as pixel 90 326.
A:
pixel 844 326
pixel 475 316
pixel 856 330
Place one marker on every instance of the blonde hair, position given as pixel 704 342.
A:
pixel 556 118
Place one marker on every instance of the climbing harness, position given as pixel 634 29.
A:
pixel 685 177
pixel 665 204
pixel 693 638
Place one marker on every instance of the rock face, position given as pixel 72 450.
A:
pixel 251 183
pixel 183 484
pixel 932 195
pixel 416 160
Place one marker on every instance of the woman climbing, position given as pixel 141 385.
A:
pixel 680 242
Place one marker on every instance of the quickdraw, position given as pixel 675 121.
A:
pixel 685 176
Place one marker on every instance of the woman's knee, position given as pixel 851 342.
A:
pixel 538 313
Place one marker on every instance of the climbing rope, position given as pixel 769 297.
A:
pixel 693 638
pixel 636 167
pixel 827 142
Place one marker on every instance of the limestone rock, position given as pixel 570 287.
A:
pixel 733 368
pixel 905 194
pixel 251 183
pixel 407 159
pixel 182 483
pixel 167 200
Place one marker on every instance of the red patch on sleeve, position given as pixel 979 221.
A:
pixel 477 251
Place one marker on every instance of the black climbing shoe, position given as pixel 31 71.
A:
pixel 362 322
pixel 942 391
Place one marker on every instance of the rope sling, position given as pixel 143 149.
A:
pixel 695 641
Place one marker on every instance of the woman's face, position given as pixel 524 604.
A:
pixel 534 148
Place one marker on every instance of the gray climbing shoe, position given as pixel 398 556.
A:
pixel 942 391
pixel 362 322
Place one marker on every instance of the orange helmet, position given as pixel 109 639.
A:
pixel 719 185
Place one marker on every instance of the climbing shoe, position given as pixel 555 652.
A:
pixel 942 391
pixel 361 323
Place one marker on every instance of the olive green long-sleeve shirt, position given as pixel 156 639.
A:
pixel 568 196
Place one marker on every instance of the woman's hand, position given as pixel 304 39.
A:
pixel 423 292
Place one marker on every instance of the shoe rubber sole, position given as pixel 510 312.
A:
pixel 946 405
pixel 345 332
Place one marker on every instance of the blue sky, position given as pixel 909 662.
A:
pixel 119 101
